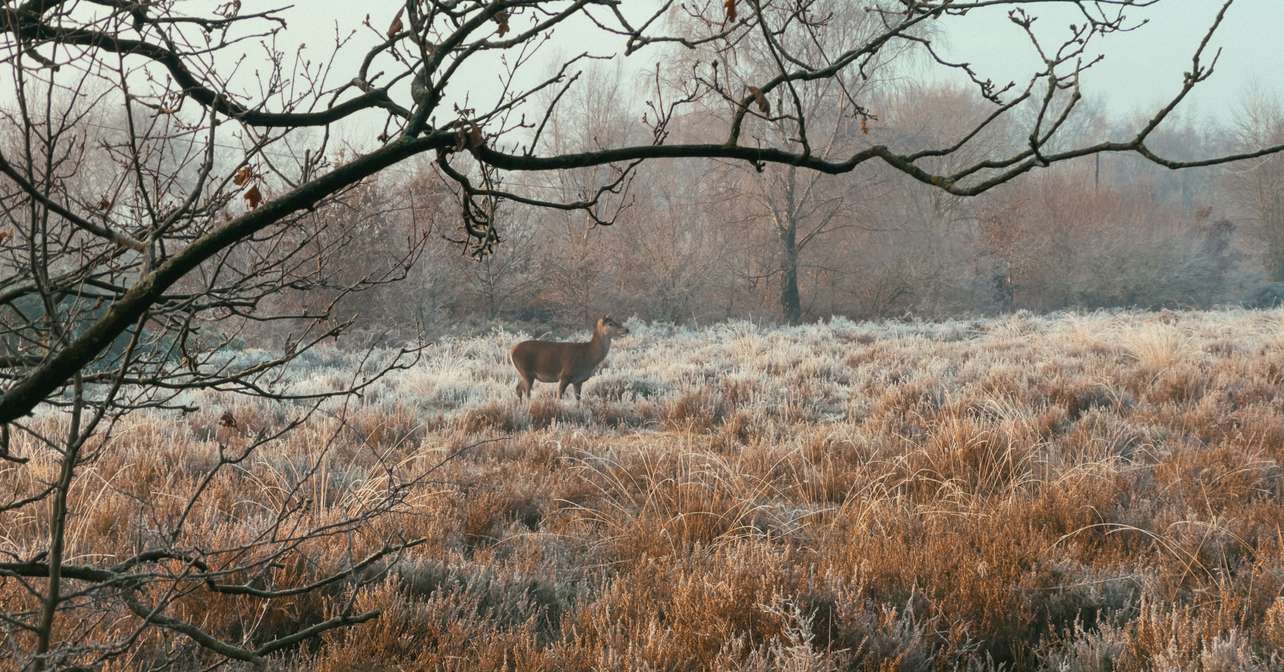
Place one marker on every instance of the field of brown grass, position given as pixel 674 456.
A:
pixel 1074 492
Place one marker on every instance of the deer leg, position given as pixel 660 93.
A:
pixel 577 390
pixel 561 386
pixel 524 383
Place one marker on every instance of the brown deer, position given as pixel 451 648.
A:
pixel 563 363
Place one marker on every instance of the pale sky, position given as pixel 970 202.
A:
pixel 1146 66
pixel 1141 67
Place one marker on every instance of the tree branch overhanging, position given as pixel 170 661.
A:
pixel 130 243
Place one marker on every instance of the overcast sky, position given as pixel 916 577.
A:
pixel 1141 67
pixel 1145 66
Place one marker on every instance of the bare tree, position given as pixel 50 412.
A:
pixel 137 246
pixel 800 206
pixel 1259 185
pixel 144 181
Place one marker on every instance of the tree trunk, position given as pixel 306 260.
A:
pixel 1275 240
pixel 1004 292
pixel 790 303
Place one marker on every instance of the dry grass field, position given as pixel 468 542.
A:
pixel 1073 492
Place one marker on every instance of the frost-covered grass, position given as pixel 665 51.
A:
pixel 1095 491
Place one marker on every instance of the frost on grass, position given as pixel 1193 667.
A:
pixel 1096 491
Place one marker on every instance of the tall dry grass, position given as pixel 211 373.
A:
pixel 1074 492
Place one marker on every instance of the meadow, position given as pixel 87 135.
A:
pixel 1076 492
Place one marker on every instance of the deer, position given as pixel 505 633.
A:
pixel 563 363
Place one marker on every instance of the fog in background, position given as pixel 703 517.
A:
pixel 701 240
pixel 706 240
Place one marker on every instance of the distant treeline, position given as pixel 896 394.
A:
pixel 706 241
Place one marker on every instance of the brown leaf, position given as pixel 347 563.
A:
pixel 764 105
pixel 254 197
pixel 228 420
pixel 864 125
pixel 104 204
pixel 501 17
pixel 397 25
pixel 730 6
pixel 229 10
pixel 469 136
pixel 242 176
pixel 4 235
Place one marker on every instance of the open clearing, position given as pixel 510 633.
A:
pixel 1073 492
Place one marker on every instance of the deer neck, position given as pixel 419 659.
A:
pixel 599 346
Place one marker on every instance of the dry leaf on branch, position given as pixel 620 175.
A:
pixel 242 176
pixel 730 6
pixel 229 10
pixel 4 235
pixel 254 197
pixel 763 104
pixel 397 25
pixel 864 125
pixel 469 137
pixel 501 18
